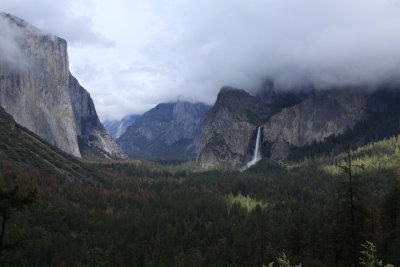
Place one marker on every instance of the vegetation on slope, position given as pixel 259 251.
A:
pixel 144 214
pixel 28 151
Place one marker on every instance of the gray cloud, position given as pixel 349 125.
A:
pixel 166 49
pixel 326 42
pixel 60 18
pixel 10 50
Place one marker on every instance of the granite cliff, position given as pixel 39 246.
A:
pixel 289 119
pixel 169 131
pixel 37 89
pixel 320 115
pixel 230 127
pixel 93 140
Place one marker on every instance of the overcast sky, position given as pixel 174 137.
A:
pixel 132 54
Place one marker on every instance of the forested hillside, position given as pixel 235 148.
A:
pixel 295 163
pixel 143 214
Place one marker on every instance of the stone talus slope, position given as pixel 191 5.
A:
pixel 37 89
pixel 92 136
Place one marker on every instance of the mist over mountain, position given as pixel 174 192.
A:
pixel 195 48
pixel 297 162
pixel 117 127
pixel 294 122
pixel 38 90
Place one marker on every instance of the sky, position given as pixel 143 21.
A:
pixel 133 54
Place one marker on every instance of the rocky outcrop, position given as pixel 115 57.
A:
pixel 117 127
pixel 288 119
pixel 37 89
pixel 33 87
pixel 93 139
pixel 230 128
pixel 322 114
pixel 170 131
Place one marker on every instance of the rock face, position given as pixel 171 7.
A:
pixel 288 119
pixel 322 114
pixel 230 127
pixel 170 131
pixel 93 140
pixel 117 127
pixel 37 89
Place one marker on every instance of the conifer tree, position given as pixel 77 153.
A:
pixel 11 200
pixel 368 256
pixel 352 207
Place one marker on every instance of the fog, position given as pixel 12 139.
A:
pixel 131 55
pixel 10 51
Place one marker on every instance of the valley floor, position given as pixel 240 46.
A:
pixel 142 214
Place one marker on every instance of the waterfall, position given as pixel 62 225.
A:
pixel 119 132
pixel 257 154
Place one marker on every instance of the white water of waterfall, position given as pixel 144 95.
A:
pixel 257 154
pixel 119 132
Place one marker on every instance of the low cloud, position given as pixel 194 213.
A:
pixel 160 50
pixel 69 19
pixel 10 50
pixel 327 43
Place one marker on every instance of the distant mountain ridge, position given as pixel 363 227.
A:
pixel 169 131
pixel 117 127
pixel 38 90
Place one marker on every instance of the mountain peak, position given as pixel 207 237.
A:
pixel 169 131
pixel 15 20
pixel 16 23
pixel 230 90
